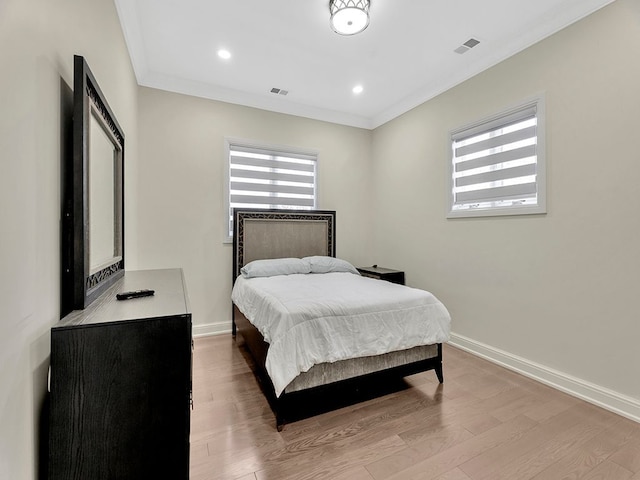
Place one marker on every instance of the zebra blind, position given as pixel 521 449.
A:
pixel 497 167
pixel 262 178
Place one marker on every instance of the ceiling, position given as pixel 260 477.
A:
pixel 405 57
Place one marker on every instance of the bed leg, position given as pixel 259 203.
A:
pixel 279 421
pixel 277 405
pixel 439 365
pixel 233 320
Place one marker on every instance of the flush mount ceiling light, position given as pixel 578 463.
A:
pixel 349 17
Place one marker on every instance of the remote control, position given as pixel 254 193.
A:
pixel 135 294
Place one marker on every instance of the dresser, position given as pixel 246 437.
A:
pixel 120 384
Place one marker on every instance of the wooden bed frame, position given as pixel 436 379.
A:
pixel 260 234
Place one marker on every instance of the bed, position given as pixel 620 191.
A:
pixel 285 270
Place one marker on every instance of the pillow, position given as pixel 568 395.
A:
pixel 321 264
pixel 275 266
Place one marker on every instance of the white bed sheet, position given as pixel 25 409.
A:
pixel 315 318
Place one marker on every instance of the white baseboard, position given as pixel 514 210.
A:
pixel 211 329
pixel 603 397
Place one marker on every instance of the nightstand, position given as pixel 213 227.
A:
pixel 393 276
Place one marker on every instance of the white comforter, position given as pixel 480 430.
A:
pixel 316 318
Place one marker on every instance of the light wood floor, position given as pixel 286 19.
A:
pixel 484 422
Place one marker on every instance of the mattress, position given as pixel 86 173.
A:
pixel 309 319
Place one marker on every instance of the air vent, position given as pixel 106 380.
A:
pixel 279 91
pixel 466 46
pixel 472 42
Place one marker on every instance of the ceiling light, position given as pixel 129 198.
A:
pixel 357 89
pixel 349 17
pixel 225 54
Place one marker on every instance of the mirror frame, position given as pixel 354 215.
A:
pixel 84 286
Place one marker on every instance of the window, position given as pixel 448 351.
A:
pixel 266 177
pixel 497 165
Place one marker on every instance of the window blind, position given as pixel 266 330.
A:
pixel 495 163
pixel 262 178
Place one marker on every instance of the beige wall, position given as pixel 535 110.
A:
pixel 37 42
pixel 560 289
pixel 180 192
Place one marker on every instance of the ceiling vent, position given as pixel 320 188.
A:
pixel 279 91
pixel 466 46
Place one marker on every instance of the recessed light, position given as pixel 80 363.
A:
pixel 224 54
pixel 358 89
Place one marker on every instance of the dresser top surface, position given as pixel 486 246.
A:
pixel 170 299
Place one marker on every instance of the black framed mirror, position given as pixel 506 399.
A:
pixel 94 195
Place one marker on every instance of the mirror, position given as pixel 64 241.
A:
pixel 104 242
pixel 94 200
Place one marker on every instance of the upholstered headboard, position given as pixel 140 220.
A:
pixel 261 234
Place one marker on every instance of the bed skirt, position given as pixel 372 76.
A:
pixel 325 373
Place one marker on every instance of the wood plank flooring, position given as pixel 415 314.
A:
pixel 483 423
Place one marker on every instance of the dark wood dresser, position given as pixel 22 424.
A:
pixel 121 384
